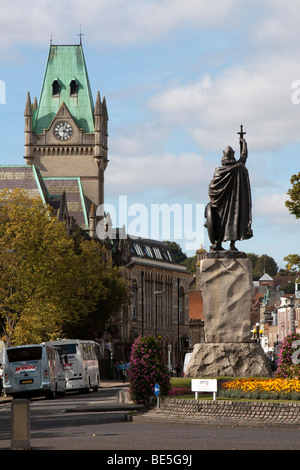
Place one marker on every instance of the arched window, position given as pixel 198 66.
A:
pixel 55 88
pixel 73 87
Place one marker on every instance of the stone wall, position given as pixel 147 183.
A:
pixel 226 411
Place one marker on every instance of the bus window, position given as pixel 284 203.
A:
pixel 24 354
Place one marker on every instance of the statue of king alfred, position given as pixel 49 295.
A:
pixel 229 212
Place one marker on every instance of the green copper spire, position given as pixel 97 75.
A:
pixel 65 81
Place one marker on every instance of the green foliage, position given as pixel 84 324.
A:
pixel 51 285
pixel 147 367
pixel 293 204
pixel 190 263
pixel 293 264
pixel 264 264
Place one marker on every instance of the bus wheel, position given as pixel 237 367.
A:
pixel 52 394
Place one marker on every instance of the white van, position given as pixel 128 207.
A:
pixel 33 370
pixel 187 358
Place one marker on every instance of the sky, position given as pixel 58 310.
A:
pixel 179 78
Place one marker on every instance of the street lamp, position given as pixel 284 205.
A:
pixel 157 292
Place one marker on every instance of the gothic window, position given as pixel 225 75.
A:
pixel 55 88
pixel 73 87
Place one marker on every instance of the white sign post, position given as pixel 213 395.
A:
pixel 205 385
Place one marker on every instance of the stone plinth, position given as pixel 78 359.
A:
pixel 226 290
pixel 228 360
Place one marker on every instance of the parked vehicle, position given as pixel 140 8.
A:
pixel 33 370
pixel 81 363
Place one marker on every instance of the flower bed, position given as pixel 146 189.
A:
pixel 273 388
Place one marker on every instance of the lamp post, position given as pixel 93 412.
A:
pixel 157 292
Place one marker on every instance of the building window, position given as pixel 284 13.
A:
pixel 55 88
pixel 181 301
pixel 148 301
pixel 148 251
pixel 157 253
pixel 169 304
pixel 138 249
pixel 134 299
pixel 73 87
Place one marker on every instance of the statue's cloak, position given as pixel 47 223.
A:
pixel 230 200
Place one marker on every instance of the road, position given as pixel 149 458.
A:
pixel 55 427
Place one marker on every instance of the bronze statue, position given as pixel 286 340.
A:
pixel 229 212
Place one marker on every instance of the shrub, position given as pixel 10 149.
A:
pixel 147 367
pixel 286 367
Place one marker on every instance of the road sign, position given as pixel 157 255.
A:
pixel 156 389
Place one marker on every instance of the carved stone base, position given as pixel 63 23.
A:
pixel 228 360
pixel 227 291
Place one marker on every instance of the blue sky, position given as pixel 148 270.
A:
pixel 179 77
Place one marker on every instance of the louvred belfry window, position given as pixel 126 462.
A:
pixel 73 87
pixel 55 88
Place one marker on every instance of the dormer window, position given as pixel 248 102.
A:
pixel 55 88
pixel 73 87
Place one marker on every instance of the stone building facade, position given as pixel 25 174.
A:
pixel 159 299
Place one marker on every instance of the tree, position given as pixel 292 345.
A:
pixel 253 258
pixel 50 283
pixel 264 264
pixel 293 264
pixel 293 205
pixel 190 263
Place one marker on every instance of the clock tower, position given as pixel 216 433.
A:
pixel 66 132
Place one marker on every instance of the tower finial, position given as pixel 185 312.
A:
pixel 80 35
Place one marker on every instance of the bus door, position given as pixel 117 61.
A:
pixel 72 366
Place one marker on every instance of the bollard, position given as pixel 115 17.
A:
pixel 20 424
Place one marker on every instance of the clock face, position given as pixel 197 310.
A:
pixel 63 130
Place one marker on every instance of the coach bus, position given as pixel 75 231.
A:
pixel 81 364
pixel 33 370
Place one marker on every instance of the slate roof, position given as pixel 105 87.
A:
pixel 150 249
pixel 72 187
pixel 50 190
pixel 23 176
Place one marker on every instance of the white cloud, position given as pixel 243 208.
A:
pixel 118 22
pixel 184 175
pixel 256 95
pixel 271 207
